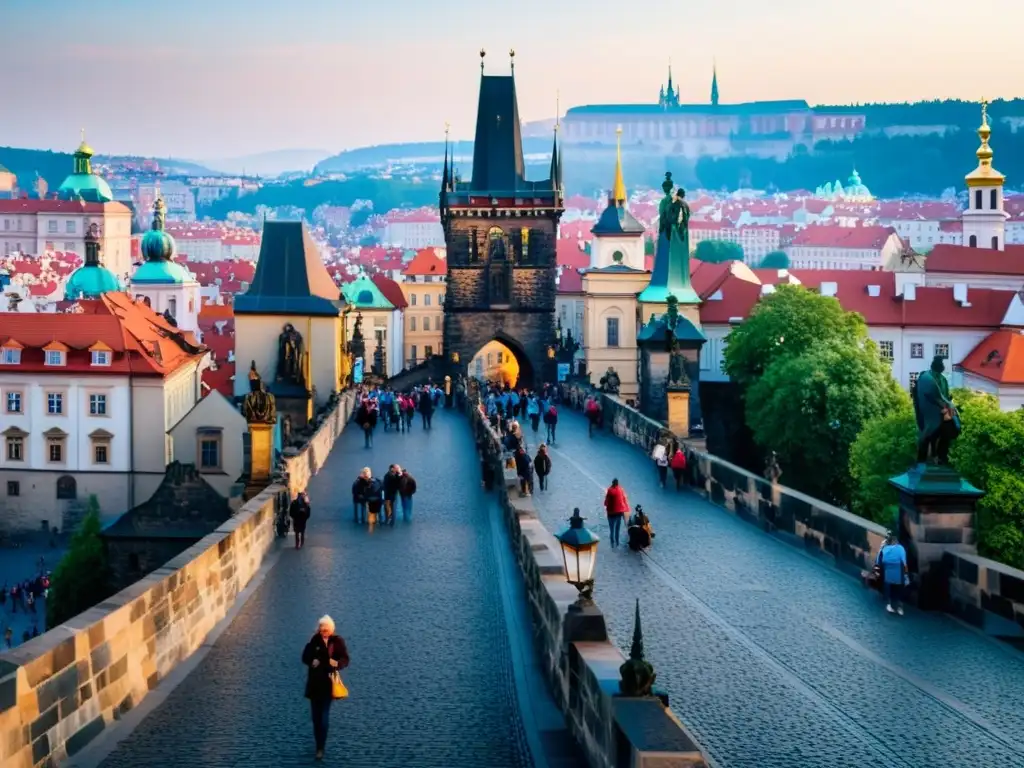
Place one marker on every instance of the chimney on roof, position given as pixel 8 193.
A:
pixel 767 289
pixel 829 289
pixel 874 291
pixel 960 294
pixel 910 292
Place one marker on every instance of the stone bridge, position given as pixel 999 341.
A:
pixel 769 656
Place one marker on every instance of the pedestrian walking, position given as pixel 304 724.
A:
pixel 9 637
pixel 542 466
pixel 593 413
pixel 390 486
pixel 359 488
pixel 615 506
pixel 533 411
pixel 892 558
pixel 299 512
pixel 374 497
pixel 524 469
pixel 661 461
pixel 367 419
pixel 406 490
pixel 426 406
pixel 678 465
pixel 324 656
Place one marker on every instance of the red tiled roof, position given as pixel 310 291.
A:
pixel 221 379
pixel 982 261
pixel 568 254
pixel 392 291
pixel 59 206
pixel 143 342
pixel 843 237
pixel 999 357
pixel 570 281
pixel 426 262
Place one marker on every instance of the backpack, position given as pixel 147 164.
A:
pixel 552 411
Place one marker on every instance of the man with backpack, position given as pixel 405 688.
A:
pixel 551 422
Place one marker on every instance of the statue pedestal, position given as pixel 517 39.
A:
pixel 261 437
pixel 679 411
pixel 936 514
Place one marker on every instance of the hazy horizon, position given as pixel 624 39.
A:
pixel 209 81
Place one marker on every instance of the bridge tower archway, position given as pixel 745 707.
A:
pixel 502 358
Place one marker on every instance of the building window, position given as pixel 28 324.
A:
pixel 440 299
pixel 100 357
pixel 426 323
pixel 54 403
pixel 412 299
pixel 14 402
pixel 67 488
pixel 412 354
pixel 54 357
pixel 973 241
pixel 501 358
pixel 885 350
pixel 55 451
pixel 97 405
pixel 69 227
pixel 917 351
pixel 977 199
pixel 52 227
pixel 13 488
pixel 995 242
pixel 15 449
pixel 10 356
pixel 172 307
pixel 617 257
pixel 613 331
pixel 209 452
pixel 913 379
pixel 426 299
pixel 101 453
pixel 942 350
pixel 412 323
pixel 428 352
pixel 993 199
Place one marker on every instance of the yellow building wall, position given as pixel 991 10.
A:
pixel 604 296
pixel 256 338
pixel 414 316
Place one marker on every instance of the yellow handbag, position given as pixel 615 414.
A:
pixel 338 689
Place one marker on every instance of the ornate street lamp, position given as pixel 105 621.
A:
pixel 579 551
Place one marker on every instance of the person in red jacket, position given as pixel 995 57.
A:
pixel 616 506
pixel 678 465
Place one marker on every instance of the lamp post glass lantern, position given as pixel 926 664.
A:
pixel 579 552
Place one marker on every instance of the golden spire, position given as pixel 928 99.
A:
pixel 84 148
pixel 619 190
pixel 984 175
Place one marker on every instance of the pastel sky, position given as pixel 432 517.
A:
pixel 221 78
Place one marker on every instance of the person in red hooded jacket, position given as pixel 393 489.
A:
pixel 616 506
pixel 678 465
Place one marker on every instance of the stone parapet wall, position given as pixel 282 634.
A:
pixel 985 593
pixel 581 665
pixel 62 689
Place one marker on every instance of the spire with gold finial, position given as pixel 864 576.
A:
pixel 619 189
pixel 984 175
pixel 83 157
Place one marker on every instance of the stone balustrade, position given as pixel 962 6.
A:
pixel 62 689
pixel 985 593
pixel 581 665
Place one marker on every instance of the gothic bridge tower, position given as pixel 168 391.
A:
pixel 500 230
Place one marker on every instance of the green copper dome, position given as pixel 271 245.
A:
pixel 89 282
pixel 83 183
pixel 157 245
pixel 162 272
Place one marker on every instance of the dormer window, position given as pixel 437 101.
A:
pixel 10 356
pixel 54 357
pixel 100 357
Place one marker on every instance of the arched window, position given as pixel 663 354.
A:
pixel 995 242
pixel 977 199
pixel 496 243
pixel 67 488
pixel 994 199
pixel 973 242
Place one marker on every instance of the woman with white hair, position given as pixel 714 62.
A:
pixel 325 655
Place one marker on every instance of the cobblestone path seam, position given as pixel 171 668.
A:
pixel 752 637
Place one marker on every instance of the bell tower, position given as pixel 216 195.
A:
pixel 500 231
pixel 984 220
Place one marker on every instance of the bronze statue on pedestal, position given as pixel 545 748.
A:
pixel 938 422
pixel 259 406
pixel 290 356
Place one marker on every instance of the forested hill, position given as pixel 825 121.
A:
pixel 931 113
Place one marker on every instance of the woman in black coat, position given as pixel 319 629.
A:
pixel 323 654
pixel 299 513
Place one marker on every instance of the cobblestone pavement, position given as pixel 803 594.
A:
pixel 773 658
pixel 16 565
pixel 431 678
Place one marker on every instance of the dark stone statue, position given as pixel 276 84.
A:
pixel 938 423
pixel 358 345
pixel 673 211
pixel 772 470
pixel 676 361
pixel 259 406
pixel 610 382
pixel 637 675
pixel 290 356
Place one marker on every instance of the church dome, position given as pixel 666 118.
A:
pixel 158 249
pixel 90 281
pixel 162 272
pixel 157 245
pixel 83 184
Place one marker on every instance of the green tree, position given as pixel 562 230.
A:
pixel 811 407
pixel 990 454
pixel 717 251
pixel 787 323
pixel 81 578
pixel 886 447
pixel 775 260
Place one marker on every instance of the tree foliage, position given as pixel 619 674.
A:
pixel 81 578
pixel 886 447
pixel 810 407
pixel 775 260
pixel 990 454
pixel 717 251
pixel 787 323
